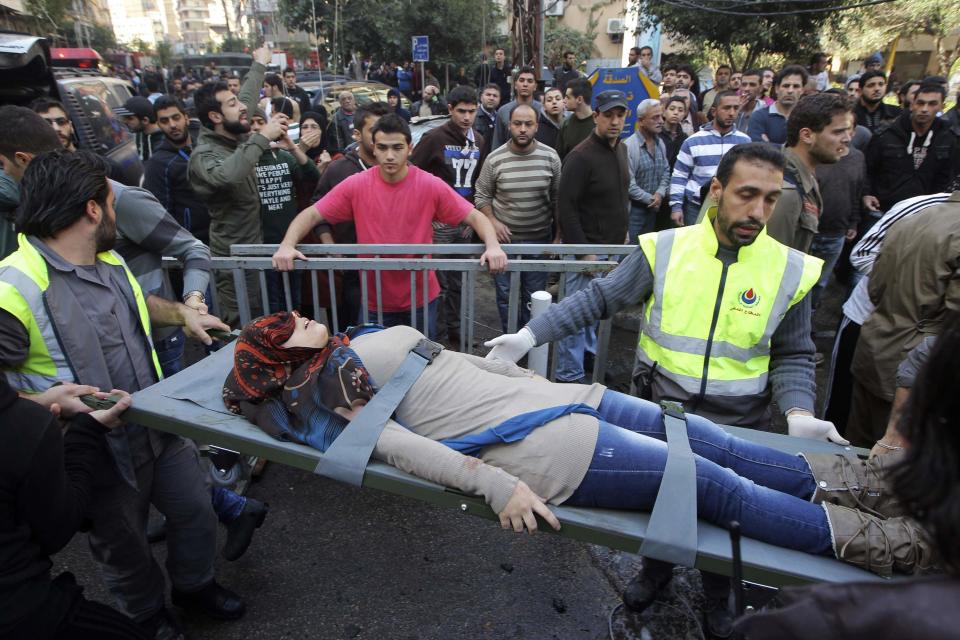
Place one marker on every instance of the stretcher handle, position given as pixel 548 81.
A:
pixel 226 336
pixel 99 404
pixel 737 577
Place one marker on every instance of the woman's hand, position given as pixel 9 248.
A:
pixel 522 509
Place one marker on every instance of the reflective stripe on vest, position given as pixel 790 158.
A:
pixel 23 282
pixel 759 289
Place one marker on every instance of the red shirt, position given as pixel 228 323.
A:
pixel 400 213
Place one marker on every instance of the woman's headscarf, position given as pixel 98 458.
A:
pixel 293 393
pixel 321 119
pixel 261 365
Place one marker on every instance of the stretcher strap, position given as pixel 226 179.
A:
pixel 672 530
pixel 346 459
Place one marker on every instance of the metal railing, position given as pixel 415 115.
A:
pixel 325 260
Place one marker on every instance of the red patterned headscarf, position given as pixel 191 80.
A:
pixel 261 365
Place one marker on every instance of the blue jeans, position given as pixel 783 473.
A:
pixel 765 490
pixel 530 281
pixel 691 211
pixel 275 297
pixel 642 220
pixel 227 504
pixel 402 318
pixel 170 352
pixel 828 249
pixel 570 349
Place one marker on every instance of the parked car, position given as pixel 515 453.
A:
pixel 26 74
pixel 314 75
pixel 363 91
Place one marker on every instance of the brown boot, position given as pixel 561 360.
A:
pixel 849 481
pixel 878 545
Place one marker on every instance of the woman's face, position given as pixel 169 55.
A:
pixel 307 333
pixel 310 125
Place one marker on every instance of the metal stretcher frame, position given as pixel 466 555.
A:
pixel 623 530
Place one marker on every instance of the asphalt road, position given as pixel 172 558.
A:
pixel 336 562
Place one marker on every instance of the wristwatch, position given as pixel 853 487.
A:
pixel 198 294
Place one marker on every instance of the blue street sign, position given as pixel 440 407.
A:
pixel 421 48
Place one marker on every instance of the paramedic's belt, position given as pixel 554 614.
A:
pixel 346 459
pixel 672 531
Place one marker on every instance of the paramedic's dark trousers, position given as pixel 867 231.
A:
pixel 174 481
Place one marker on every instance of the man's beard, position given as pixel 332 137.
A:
pixel 522 145
pixel 729 230
pixel 871 101
pixel 821 157
pixel 180 140
pixel 236 127
pixel 105 237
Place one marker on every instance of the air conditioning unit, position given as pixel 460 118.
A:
pixel 615 26
pixel 554 7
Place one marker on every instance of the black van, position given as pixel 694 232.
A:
pixel 26 74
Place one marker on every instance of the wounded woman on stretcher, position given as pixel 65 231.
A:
pixel 578 445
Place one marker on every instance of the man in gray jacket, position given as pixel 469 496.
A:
pixel 222 171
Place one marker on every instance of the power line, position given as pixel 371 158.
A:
pixel 688 4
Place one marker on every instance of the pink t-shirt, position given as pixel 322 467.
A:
pixel 400 213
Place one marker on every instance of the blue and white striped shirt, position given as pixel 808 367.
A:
pixel 697 162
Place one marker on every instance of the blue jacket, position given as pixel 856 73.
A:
pixel 404 80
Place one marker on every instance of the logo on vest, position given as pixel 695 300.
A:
pixel 748 299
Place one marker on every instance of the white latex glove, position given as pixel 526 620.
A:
pixel 511 346
pixel 807 426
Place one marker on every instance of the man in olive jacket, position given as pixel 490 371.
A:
pixel 222 171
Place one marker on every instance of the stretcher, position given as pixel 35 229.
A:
pixel 189 404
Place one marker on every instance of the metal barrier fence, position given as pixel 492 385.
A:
pixel 325 260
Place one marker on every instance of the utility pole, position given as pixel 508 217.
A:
pixel 526 34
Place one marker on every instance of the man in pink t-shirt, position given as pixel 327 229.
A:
pixel 393 203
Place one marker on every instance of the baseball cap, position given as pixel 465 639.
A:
pixel 611 99
pixel 136 106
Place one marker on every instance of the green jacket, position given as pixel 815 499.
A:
pixel 222 172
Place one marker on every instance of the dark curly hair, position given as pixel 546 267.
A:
pixel 928 479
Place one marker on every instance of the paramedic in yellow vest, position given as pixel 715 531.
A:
pixel 71 311
pixel 726 324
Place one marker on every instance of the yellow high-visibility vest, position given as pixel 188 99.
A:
pixel 708 327
pixel 23 283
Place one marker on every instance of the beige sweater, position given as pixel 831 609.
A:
pixel 461 394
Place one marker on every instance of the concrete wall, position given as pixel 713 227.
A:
pixel 577 15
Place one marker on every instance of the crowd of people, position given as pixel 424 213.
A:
pixel 741 201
